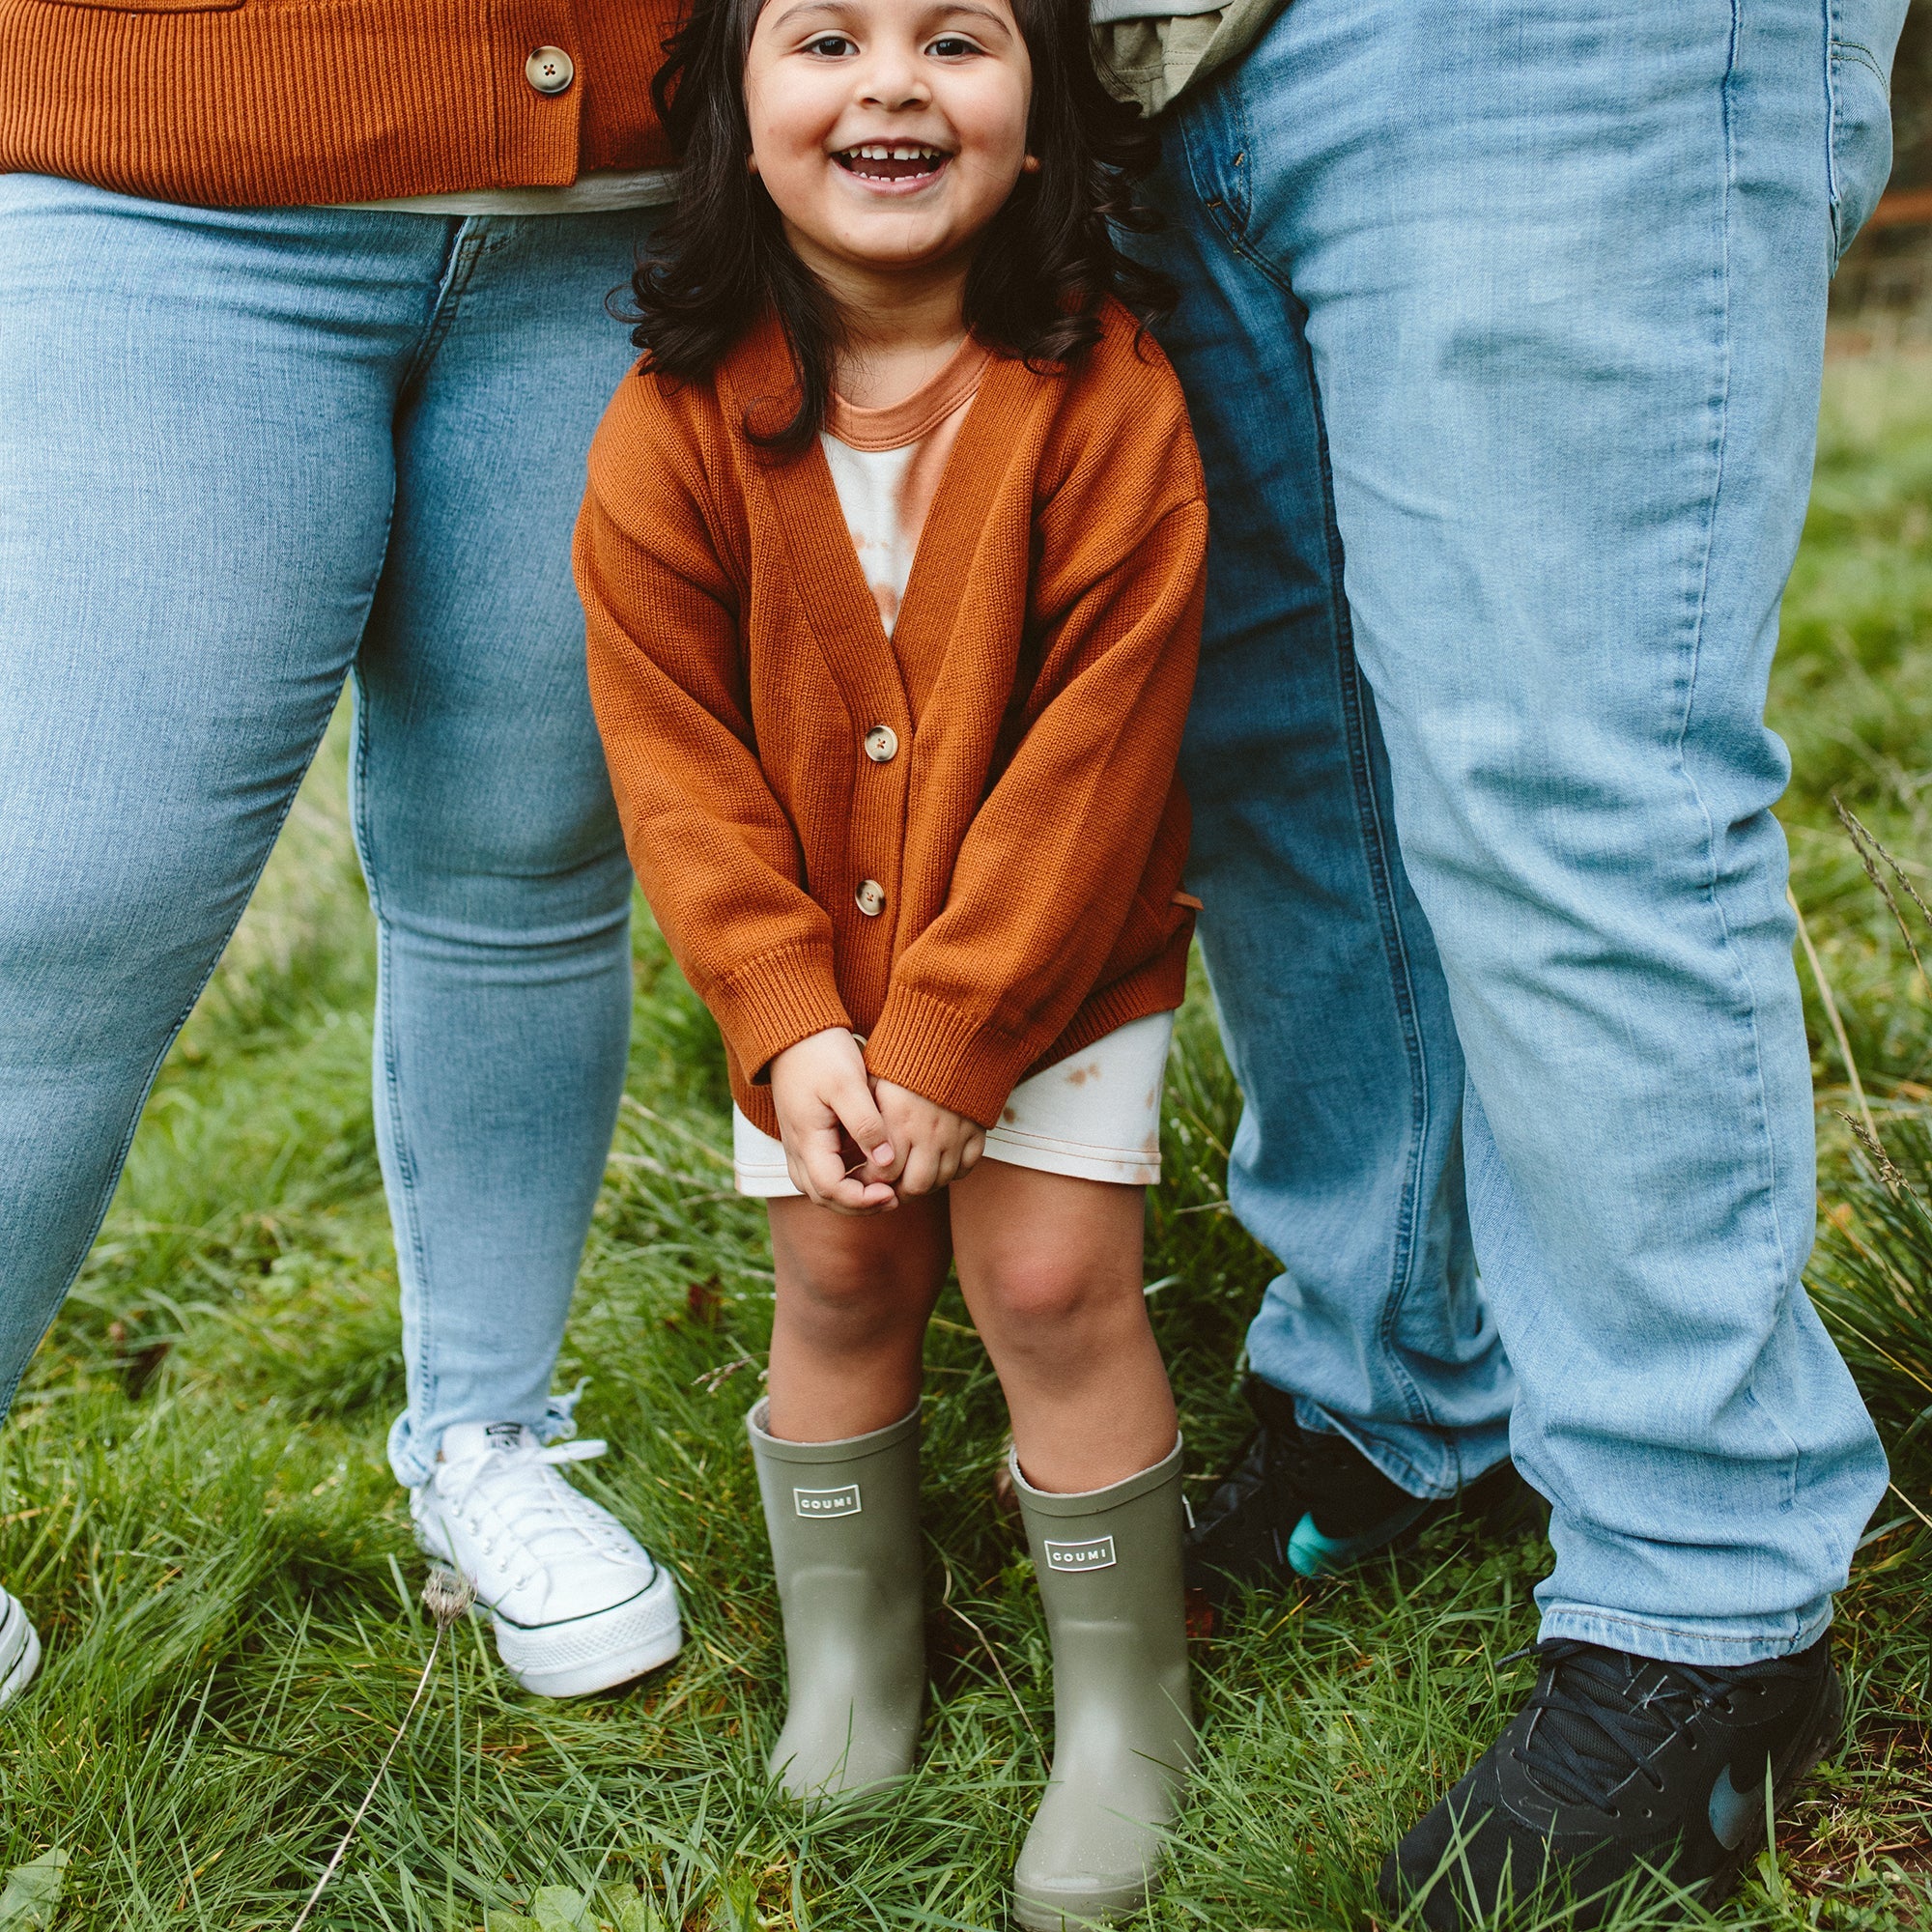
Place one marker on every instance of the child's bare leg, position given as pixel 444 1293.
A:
pixel 1051 1270
pixel 854 1294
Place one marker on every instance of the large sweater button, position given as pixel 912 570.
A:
pixel 882 744
pixel 549 70
pixel 872 898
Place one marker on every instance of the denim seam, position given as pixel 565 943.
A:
pixel 1840 52
pixel 1580 1615
pixel 120 1161
pixel 1213 193
pixel 404 1205
pixel 468 242
pixel 1748 1029
pixel 1375 855
pixel 1395 953
pixel 1781 1245
pixel 1829 10
pixel 1376 843
pixel 1239 190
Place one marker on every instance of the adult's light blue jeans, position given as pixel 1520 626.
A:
pixel 245 454
pixel 1502 323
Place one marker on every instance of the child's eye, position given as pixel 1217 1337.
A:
pixel 829 47
pixel 952 47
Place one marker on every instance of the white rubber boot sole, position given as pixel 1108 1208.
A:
pixel 20 1650
pixel 595 1652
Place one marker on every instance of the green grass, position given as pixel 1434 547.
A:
pixel 195 1504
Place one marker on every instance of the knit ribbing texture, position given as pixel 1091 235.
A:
pixel 280 102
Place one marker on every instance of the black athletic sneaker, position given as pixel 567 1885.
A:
pixel 1297 1504
pixel 1619 1767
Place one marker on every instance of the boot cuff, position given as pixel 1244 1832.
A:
pixel 1089 1502
pixel 845 1450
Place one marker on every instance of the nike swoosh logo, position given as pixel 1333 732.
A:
pixel 1733 1812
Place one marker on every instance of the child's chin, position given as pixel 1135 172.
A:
pixel 895 249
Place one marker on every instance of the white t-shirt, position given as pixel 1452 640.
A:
pixel 886 465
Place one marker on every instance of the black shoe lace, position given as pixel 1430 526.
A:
pixel 1589 1729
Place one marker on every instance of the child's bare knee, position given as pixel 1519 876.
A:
pixel 846 1287
pixel 855 1302
pixel 1041 1292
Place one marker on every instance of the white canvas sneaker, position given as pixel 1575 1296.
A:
pixel 577 1603
pixel 19 1649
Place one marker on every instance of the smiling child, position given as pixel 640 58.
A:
pixel 893 559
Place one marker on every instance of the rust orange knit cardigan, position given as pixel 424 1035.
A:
pixel 1027 833
pixel 257 103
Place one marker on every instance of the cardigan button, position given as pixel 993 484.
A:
pixel 549 70
pixel 882 744
pixel 872 898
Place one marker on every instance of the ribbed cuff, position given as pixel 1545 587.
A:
pixel 957 1059
pixel 967 1061
pixel 774 1000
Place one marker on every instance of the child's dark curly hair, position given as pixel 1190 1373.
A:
pixel 1045 265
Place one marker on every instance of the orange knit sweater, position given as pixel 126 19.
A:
pixel 258 102
pixel 1028 834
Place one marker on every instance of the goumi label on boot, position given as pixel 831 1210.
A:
pixel 827 1502
pixel 1098 1554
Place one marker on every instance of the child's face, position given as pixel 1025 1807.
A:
pixel 888 132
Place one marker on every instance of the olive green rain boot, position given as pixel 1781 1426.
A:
pixel 843 1519
pixel 1109 1568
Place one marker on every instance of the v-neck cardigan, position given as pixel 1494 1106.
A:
pixel 1027 832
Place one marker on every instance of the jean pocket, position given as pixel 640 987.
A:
pixel 1213 133
pixel 1864 33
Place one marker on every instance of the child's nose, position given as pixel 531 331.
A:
pixel 894 83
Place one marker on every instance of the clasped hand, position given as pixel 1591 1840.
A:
pixel 856 1144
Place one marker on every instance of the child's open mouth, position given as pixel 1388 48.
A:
pixel 892 161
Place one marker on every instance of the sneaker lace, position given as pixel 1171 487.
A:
pixel 517 1500
pixel 1588 1731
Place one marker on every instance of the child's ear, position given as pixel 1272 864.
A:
pixel 751 164
pixel 1030 166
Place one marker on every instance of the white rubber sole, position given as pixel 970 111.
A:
pixel 19 1649
pixel 1034 1914
pixel 595 1652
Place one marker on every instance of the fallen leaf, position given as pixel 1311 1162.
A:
pixel 558 1908
pixel 628 1911
pixel 32 1894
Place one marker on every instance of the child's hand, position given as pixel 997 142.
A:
pixel 935 1144
pixel 819 1087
